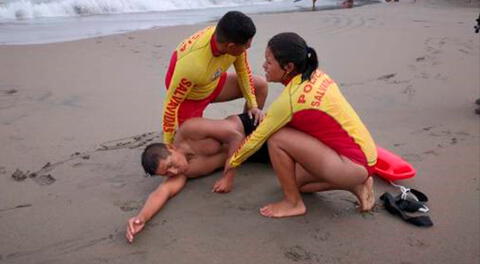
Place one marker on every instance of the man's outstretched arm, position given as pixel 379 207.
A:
pixel 156 200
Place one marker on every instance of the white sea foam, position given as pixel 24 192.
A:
pixel 47 21
pixel 31 9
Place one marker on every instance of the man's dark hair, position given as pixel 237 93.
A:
pixel 235 27
pixel 290 47
pixel 151 156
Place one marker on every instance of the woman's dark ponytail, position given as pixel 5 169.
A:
pixel 311 64
pixel 290 47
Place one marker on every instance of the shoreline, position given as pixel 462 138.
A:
pixel 49 30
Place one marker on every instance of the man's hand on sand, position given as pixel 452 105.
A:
pixel 257 114
pixel 224 185
pixel 135 225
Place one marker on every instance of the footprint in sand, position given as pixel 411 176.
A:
pixel 423 75
pixel 45 179
pixel 118 185
pixel 448 136
pixel 42 177
pixel 440 77
pixel 9 91
pixel 19 175
pixel 443 133
pixel 242 208
pixel 409 91
pixel 321 236
pixel 298 253
pixel 416 243
pixel 16 207
pixel 129 142
pixel 412 157
pixel 8 99
pixel 431 152
pixel 386 77
pixel 420 59
pixel 128 206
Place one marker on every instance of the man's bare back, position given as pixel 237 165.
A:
pixel 206 143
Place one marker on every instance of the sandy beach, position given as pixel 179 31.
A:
pixel 79 113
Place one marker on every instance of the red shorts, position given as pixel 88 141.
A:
pixel 326 129
pixel 193 108
pixel 370 169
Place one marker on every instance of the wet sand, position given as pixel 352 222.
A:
pixel 77 115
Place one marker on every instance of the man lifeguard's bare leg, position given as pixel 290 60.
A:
pixel 231 90
pixel 321 168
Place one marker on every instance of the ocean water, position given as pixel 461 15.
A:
pixel 48 21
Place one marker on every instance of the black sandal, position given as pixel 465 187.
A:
pixel 409 201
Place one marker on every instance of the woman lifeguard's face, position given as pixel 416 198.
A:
pixel 273 71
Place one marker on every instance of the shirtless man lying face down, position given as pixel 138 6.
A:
pixel 200 147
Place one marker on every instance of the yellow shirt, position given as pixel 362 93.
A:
pixel 318 108
pixel 196 74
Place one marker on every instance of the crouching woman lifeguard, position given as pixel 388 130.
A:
pixel 316 141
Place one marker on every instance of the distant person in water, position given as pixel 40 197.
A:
pixel 345 4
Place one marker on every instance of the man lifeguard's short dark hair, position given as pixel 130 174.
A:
pixel 235 27
pixel 151 156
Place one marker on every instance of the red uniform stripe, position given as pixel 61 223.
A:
pixel 171 70
pixel 326 129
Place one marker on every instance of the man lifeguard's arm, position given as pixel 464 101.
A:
pixel 180 86
pixel 245 80
pixel 156 200
pixel 277 116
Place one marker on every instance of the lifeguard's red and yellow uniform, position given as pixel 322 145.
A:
pixel 196 76
pixel 318 108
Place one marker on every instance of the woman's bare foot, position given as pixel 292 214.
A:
pixel 365 195
pixel 283 209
